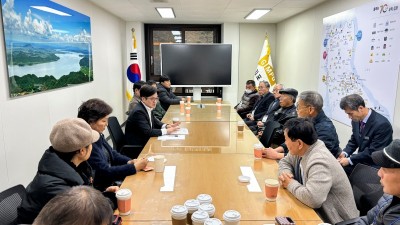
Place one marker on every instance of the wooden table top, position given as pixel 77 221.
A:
pixel 202 112
pixel 216 175
pixel 206 137
pixel 209 160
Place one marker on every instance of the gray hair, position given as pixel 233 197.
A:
pixel 266 83
pixel 80 205
pixel 312 98
pixel 352 102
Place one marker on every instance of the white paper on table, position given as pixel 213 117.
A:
pixel 253 186
pixel 169 178
pixel 151 159
pixel 182 130
pixel 171 137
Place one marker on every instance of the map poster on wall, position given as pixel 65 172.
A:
pixel 360 54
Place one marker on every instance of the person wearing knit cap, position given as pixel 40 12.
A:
pixel 387 211
pixel 62 166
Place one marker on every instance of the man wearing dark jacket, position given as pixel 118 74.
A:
pixel 262 104
pixel 142 124
pixel 165 94
pixel 371 132
pixel 61 167
pixel 309 105
pixel 249 99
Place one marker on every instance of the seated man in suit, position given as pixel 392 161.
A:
pixel 387 211
pixel 165 94
pixel 136 95
pixel 371 132
pixel 142 124
pixel 249 99
pixel 311 173
pixel 262 104
pixel 272 108
pixel 309 105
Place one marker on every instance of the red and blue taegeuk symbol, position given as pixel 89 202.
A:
pixel 133 73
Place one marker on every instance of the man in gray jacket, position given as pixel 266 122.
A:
pixel 312 174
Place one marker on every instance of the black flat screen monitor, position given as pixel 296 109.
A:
pixel 197 64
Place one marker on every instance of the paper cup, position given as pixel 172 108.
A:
pixel 175 120
pixel 187 110
pixel 178 215
pixel 231 217
pixel 159 163
pixel 212 221
pixel 240 126
pixel 199 217
pixel 271 189
pixel 258 151
pixel 204 198
pixel 192 205
pixel 124 201
pixel 209 208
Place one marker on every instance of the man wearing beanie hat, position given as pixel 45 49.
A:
pixel 387 211
pixel 61 167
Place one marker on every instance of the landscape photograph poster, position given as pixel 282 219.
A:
pixel 47 45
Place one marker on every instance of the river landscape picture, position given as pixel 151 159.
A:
pixel 48 46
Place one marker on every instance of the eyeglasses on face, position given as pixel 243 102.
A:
pixel 152 98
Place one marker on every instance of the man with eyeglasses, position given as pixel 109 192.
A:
pixel 262 104
pixel 272 108
pixel 309 105
pixel 142 124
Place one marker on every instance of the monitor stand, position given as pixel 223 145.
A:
pixel 196 93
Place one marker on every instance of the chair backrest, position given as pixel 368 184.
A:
pixel 116 133
pixel 367 188
pixel 268 133
pixel 10 200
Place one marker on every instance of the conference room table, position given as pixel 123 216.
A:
pixel 209 160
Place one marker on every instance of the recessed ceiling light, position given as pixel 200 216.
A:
pixel 51 10
pixel 256 14
pixel 166 13
pixel 176 32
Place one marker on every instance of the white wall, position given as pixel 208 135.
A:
pixel 25 122
pixel 298 52
pixel 252 38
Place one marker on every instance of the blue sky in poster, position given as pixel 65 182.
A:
pixel 24 23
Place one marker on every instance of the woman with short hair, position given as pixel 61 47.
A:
pixel 109 165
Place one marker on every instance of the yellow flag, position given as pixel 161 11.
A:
pixel 265 69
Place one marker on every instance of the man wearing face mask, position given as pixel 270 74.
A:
pixel 249 99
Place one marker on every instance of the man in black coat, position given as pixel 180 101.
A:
pixel 371 132
pixel 165 94
pixel 262 104
pixel 142 124
pixel 309 105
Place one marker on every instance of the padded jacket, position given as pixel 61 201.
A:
pixel 386 212
pixel 54 176
pixel 166 96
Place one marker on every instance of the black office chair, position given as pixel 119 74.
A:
pixel 267 138
pixel 10 200
pixel 367 188
pixel 118 139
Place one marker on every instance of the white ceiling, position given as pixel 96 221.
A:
pixel 204 11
